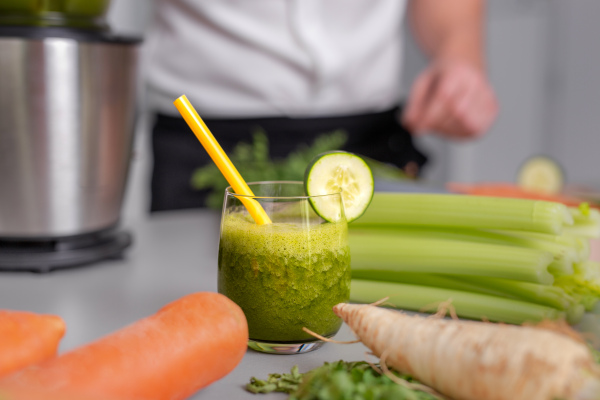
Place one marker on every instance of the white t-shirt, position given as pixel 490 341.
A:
pixel 251 58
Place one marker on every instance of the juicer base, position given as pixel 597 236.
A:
pixel 47 254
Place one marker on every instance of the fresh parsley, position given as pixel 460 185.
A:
pixel 337 381
pixel 255 163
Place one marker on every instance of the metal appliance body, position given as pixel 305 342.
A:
pixel 67 111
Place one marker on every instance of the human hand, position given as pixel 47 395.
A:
pixel 452 98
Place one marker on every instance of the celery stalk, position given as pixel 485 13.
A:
pixel 586 221
pixel 584 229
pixel 561 267
pixel 588 271
pixel 564 256
pixel 509 238
pixel 423 279
pixel 546 295
pixel 467 212
pixel 584 284
pixel 386 252
pixel 575 245
pixel 467 305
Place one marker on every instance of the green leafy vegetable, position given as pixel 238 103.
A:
pixel 254 162
pixel 287 383
pixel 338 381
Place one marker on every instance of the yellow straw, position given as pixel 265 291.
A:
pixel 221 160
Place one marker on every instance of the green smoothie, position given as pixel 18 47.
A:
pixel 285 276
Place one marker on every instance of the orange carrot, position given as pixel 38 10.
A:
pixel 471 360
pixel 27 338
pixel 170 355
pixel 493 189
pixel 24 393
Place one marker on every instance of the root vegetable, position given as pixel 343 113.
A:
pixel 185 346
pixel 27 338
pixel 470 360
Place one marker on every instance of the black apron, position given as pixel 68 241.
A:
pixel 177 153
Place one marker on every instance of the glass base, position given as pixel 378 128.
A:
pixel 284 348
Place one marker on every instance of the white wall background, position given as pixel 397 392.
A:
pixel 572 122
pixel 544 64
pixel 544 60
pixel 516 47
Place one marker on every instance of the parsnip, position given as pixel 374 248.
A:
pixel 470 360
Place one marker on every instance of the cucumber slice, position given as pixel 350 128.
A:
pixel 339 171
pixel 541 174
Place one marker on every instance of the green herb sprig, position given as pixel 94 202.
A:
pixel 287 383
pixel 337 381
pixel 255 163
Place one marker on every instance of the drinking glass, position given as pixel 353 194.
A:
pixel 288 274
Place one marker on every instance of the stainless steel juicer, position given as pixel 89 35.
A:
pixel 67 113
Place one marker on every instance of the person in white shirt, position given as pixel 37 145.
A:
pixel 301 68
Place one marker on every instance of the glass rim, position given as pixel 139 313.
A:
pixel 229 192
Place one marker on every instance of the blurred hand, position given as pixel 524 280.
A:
pixel 453 99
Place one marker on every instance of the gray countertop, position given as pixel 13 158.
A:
pixel 174 253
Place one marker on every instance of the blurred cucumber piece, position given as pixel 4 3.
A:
pixel 541 174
